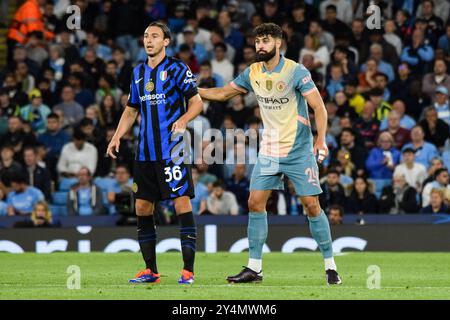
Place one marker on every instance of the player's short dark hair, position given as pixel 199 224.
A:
pixel 165 29
pixel 268 29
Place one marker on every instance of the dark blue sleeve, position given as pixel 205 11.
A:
pixel 186 81
pixel 133 96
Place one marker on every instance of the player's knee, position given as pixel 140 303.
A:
pixel 182 205
pixel 312 208
pixel 255 205
pixel 144 208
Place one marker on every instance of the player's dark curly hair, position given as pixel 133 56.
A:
pixel 268 29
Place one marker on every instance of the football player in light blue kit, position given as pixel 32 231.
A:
pixel 283 89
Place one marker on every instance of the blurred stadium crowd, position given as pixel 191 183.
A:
pixel 386 92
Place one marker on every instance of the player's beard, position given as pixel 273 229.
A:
pixel 265 56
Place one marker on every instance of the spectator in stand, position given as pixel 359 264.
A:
pixel 436 130
pixel 37 175
pixel 368 125
pixel 107 86
pixel 231 35
pixel 333 24
pixel 122 184
pixel 53 139
pixel 201 193
pixel 73 112
pixel 36 112
pixel 239 185
pixel 391 36
pixel 444 40
pixel 383 108
pixel 83 96
pixel 8 166
pixel 221 65
pixel 16 135
pixel 401 135
pixel 41 217
pixel 376 53
pixel 424 151
pixel 333 192
pixel 92 42
pixel 22 199
pixel 221 202
pixel 398 198
pixel 361 200
pixel 400 87
pixel 439 77
pixel 186 55
pixel 84 197
pixel 197 49
pixel 382 159
pixel 406 121
pixel 357 152
pixel 217 37
pixel 442 104
pixel 336 215
pixel 415 173
pixel 356 100
pixel 418 55
pixel 437 204
pixel 77 154
pixel 441 182
pixel 318 51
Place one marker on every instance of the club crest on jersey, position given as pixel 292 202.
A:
pixel 149 86
pixel 280 86
pixel 269 84
pixel 163 75
pixel 135 187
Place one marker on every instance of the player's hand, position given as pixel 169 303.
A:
pixel 179 126
pixel 320 150
pixel 113 146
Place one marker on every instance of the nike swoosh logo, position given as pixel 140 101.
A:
pixel 137 81
pixel 176 189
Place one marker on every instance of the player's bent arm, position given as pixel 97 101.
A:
pixel 219 94
pixel 315 101
pixel 195 107
pixel 127 119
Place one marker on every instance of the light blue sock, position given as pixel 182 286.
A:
pixel 256 233
pixel 320 230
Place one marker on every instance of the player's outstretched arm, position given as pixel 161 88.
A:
pixel 127 119
pixel 315 101
pixel 219 94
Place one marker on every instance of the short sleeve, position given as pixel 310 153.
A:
pixel 186 82
pixel 303 81
pixel 242 81
pixel 133 96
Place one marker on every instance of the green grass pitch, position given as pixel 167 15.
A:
pixel 286 276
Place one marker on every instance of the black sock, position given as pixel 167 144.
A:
pixel 188 237
pixel 147 241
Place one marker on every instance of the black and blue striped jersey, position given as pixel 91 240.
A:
pixel 160 94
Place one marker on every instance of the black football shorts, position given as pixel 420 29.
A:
pixel 161 180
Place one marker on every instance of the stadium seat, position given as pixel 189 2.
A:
pixel 66 183
pixel 379 185
pixel 59 197
pixel 104 183
pixel 58 210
